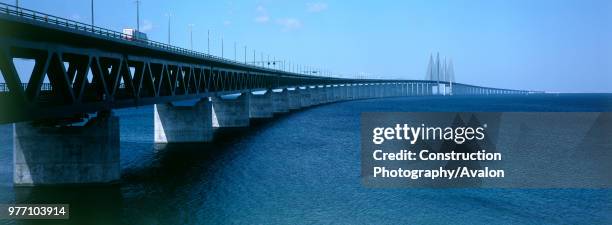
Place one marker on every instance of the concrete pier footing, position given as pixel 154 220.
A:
pixel 230 112
pixel 174 124
pixel 294 101
pixel 61 154
pixel 305 97
pixel 280 101
pixel 260 105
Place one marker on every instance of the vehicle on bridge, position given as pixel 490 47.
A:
pixel 133 34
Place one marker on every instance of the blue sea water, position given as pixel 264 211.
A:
pixel 302 167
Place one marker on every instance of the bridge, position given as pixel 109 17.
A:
pixel 65 131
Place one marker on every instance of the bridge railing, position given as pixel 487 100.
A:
pixel 79 26
pixel 44 87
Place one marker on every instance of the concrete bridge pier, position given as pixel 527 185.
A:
pixel 347 92
pixel 422 88
pixel 380 90
pixel 260 104
pixel 305 96
pixel 397 90
pixel 315 96
pixel 323 94
pixel 384 90
pixel 230 111
pixel 293 98
pixel 336 92
pixel 329 92
pixel 392 90
pixel 58 154
pixel 342 92
pixel 280 101
pixel 354 91
pixel 444 91
pixel 351 91
pixel 363 91
pixel 175 124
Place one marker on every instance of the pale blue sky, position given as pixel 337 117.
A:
pixel 554 45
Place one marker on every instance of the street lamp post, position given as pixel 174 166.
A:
pixel 169 25
pixel 92 12
pixel 138 15
pixel 190 35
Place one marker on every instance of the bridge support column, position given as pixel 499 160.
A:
pixel 363 91
pixel 228 112
pixel 315 97
pixel 387 90
pixel 422 88
pixel 338 93
pixel 56 155
pixel 410 89
pixel 294 98
pixel 260 105
pixel 280 101
pixel 346 92
pixel 173 124
pixel 323 94
pixel 329 92
pixel 305 97
pixel 399 90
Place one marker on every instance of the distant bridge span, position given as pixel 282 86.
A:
pixel 95 70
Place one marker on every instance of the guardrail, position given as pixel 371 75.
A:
pixel 43 87
pixel 79 26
